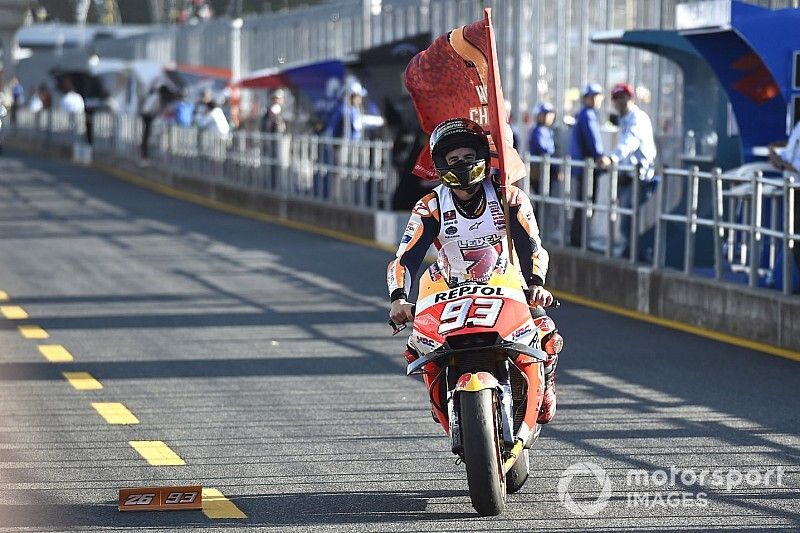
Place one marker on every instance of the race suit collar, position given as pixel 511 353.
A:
pixel 474 207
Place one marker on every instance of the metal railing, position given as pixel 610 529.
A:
pixel 734 226
pixel 54 127
pixel 750 217
pixel 356 174
pixel 747 231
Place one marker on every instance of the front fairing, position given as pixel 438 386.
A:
pixel 496 304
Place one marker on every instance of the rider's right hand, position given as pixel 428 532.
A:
pixel 539 296
pixel 401 311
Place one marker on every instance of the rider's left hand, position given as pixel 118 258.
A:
pixel 401 311
pixel 539 296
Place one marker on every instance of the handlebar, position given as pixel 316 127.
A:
pixel 397 328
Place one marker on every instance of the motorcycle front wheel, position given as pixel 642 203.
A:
pixel 482 452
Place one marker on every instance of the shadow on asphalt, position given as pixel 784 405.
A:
pixel 206 368
pixel 732 380
pixel 686 370
pixel 320 508
pixel 746 385
pixel 199 320
pixel 296 509
pixel 127 205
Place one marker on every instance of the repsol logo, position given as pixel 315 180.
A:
pixel 468 291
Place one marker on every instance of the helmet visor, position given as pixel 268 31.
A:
pixel 463 175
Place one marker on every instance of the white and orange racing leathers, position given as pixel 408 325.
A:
pixel 438 218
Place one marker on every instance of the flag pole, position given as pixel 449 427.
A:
pixel 498 122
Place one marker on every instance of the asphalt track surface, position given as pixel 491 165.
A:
pixel 260 355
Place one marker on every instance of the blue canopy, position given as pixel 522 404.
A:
pixel 750 49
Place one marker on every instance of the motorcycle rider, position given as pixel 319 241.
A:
pixel 470 203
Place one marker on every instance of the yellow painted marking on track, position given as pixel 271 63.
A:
pixel 13 312
pixel 55 353
pixel 216 505
pixel 115 413
pixel 636 315
pixel 680 326
pixel 156 453
pixel 31 331
pixel 82 381
pixel 3 296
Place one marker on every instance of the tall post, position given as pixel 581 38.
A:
pixel 788 229
pixel 517 96
pixel 693 180
pixel 236 68
pixel 717 214
pixel 755 223
pixel 660 230
pixel 236 48
pixel 366 22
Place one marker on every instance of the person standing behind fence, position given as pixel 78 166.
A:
pixel 152 106
pixel 346 121
pixel 789 158
pixel 183 110
pixel 636 146
pixel 789 162
pixel 214 120
pixel 272 121
pixel 40 100
pixel 201 106
pixel 586 143
pixel 541 141
pixel 71 102
pixel 214 130
pixel 17 99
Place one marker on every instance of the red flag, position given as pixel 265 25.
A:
pixel 457 77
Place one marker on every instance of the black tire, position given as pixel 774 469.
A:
pixel 518 475
pixel 481 452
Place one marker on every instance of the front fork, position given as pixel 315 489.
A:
pixel 471 383
pixel 506 401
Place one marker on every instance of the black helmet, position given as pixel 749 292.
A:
pixel 459 133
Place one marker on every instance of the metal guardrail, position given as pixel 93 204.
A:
pixel 750 215
pixel 356 174
pixel 613 219
pixel 54 127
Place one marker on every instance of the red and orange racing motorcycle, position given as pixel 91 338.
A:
pixel 481 353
